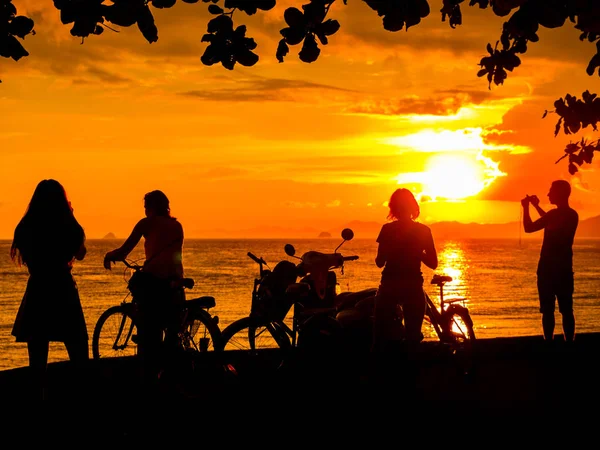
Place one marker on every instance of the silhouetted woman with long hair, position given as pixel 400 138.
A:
pixel 403 245
pixel 47 240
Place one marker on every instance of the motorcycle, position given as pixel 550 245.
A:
pixel 315 299
pixel 324 316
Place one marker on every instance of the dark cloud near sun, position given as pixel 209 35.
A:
pixel 262 89
pixel 106 76
pixel 445 102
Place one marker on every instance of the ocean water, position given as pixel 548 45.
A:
pixel 495 276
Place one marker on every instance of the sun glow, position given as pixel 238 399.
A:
pixel 440 141
pixel 452 177
pixel 456 169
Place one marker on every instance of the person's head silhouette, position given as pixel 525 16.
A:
pixel 49 200
pixel 403 205
pixel 156 203
pixel 559 193
pixel 48 220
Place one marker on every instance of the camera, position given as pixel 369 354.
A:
pixel 527 198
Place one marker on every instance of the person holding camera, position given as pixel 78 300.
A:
pixel 555 280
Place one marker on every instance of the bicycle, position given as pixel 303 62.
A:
pixel 115 333
pixel 452 323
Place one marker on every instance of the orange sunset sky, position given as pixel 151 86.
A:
pixel 290 145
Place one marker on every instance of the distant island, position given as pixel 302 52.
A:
pixel 324 234
pixel 110 236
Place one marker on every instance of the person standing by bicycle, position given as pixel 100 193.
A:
pixel 403 245
pixel 555 280
pixel 47 240
pixel 159 302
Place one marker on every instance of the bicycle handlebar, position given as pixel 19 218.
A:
pixel 129 265
pixel 256 259
pixel 350 258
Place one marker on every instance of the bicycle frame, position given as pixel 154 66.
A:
pixel 131 308
pixel 435 316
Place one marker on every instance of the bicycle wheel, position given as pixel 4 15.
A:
pixel 252 335
pixel 201 333
pixel 459 326
pixel 114 334
pixel 256 343
pixel 461 335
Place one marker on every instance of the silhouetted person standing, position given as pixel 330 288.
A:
pixel 47 240
pixel 403 245
pixel 555 267
pixel 160 304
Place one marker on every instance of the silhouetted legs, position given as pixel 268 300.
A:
pixel 158 329
pixel 79 355
pixel 395 344
pixel 38 362
pixel 568 324
pixel 388 327
pixel 548 324
pixel 78 351
pixel 150 335
pixel 556 287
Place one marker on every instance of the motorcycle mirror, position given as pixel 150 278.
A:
pixel 347 234
pixel 289 250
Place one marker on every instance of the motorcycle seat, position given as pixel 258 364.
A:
pixel 347 300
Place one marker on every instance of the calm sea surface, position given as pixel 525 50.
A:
pixel 497 278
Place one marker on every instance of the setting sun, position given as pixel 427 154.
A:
pixel 452 177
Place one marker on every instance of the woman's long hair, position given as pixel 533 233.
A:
pixel 403 204
pixel 159 202
pixel 47 226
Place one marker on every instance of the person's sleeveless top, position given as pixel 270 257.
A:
pixel 163 245
pixel 403 244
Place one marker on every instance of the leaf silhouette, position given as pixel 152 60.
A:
pixel 310 50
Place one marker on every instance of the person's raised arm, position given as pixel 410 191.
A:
pixel 127 247
pixel 429 255
pixel 529 225
pixel 535 202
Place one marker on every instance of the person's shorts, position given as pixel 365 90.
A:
pixel 555 287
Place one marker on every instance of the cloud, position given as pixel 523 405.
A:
pixel 262 89
pixel 299 205
pixel 106 76
pixel 446 102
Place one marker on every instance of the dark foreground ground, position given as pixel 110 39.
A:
pixel 519 381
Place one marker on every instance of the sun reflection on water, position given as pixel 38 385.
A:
pixel 453 262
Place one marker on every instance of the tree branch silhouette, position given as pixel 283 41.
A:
pixel 310 26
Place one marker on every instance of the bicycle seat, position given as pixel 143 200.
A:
pixel 441 279
pixel 201 302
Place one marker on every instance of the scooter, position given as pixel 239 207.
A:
pixel 324 316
